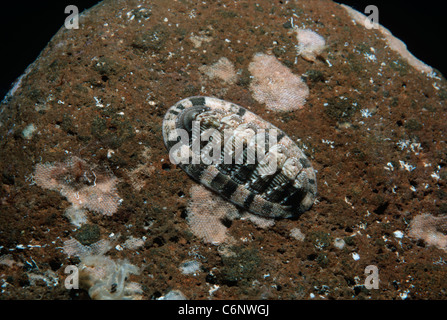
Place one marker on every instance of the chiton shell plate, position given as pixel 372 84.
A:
pixel 277 181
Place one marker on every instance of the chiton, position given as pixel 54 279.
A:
pixel 242 157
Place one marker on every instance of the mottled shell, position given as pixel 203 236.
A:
pixel 287 192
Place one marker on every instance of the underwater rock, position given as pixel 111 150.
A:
pixel 366 113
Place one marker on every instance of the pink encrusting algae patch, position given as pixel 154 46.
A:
pixel 431 229
pixel 275 85
pixel 82 184
pixel 206 213
pixel 223 69
pixel 310 44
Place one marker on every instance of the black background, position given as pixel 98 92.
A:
pixel 26 27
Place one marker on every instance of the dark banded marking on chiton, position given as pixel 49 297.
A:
pixel 286 192
pixel 197 101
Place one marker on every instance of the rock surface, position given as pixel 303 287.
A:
pixel 372 124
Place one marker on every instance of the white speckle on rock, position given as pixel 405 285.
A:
pixel 28 131
pixel 213 289
pixel 398 234
pixel 190 267
pixel 404 295
pixel 339 243
pixel 173 295
pixel 110 153
pixel 297 234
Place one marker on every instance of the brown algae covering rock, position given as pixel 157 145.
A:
pixel 84 123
